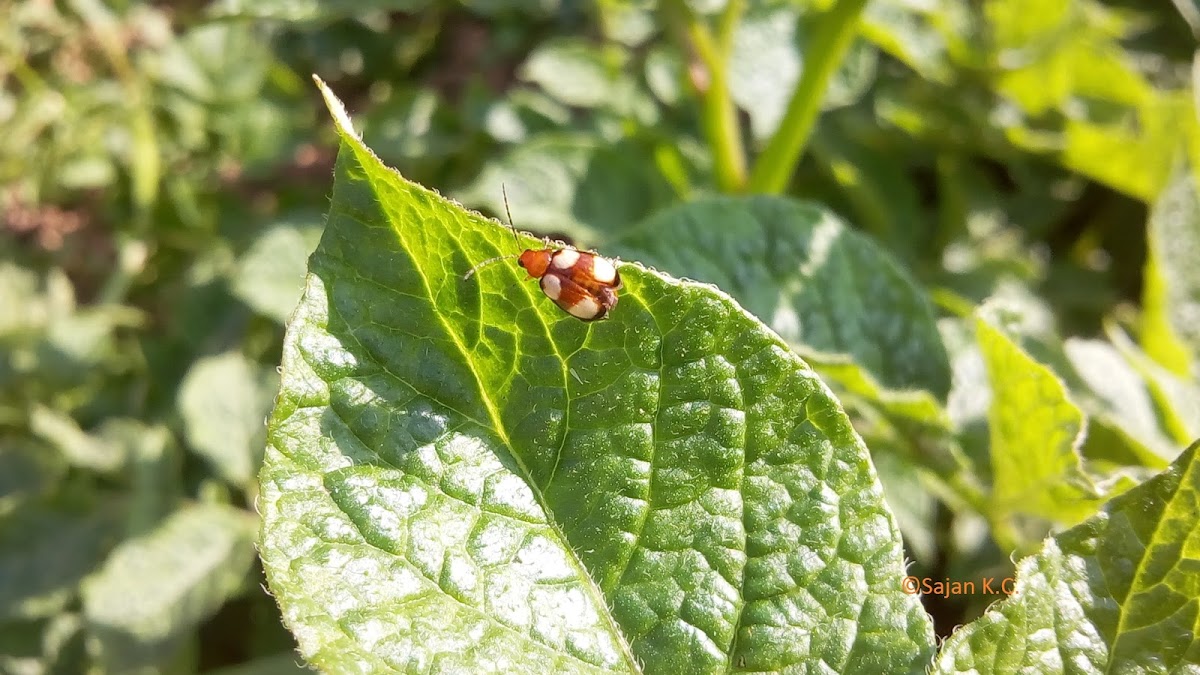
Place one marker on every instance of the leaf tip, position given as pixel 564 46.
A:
pixel 336 108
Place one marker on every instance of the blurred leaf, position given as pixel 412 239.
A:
pixel 153 470
pixel 154 589
pixel 311 10
pixel 908 497
pixel 1116 594
pixel 905 30
pixel 1133 154
pixel 577 72
pixel 288 663
pixel 454 468
pixel 572 184
pixel 81 449
pixel 44 554
pixel 1036 432
pixel 885 201
pixel 270 275
pixel 52 646
pixel 524 114
pixel 27 302
pixel 223 401
pixel 27 470
pixel 413 124
pixel 628 23
pixel 1123 399
pixel 666 74
pixel 1177 399
pixel 818 284
pixel 768 60
pixel 216 63
pixel 765 66
pixel 1171 323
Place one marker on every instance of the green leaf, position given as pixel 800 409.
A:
pixel 461 476
pixel 154 589
pixel 51 646
pixel 1123 399
pixel 1177 399
pixel 572 184
pixel 577 72
pixel 223 401
pixel 767 61
pixel 281 664
pixel 45 553
pixel 27 471
pixel 1171 325
pixel 1115 594
pixel 905 30
pixel 818 284
pixel 1036 432
pixel 89 451
pixel 270 275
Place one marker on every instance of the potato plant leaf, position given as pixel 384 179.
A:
pixel 1114 594
pixel 820 285
pixel 459 476
pixel 1036 432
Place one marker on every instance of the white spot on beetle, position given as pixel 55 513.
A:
pixel 565 259
pixel 603 270
pixel 552 286
pixel 587 308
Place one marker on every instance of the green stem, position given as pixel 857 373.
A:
pixel 831 40
pixel 718 112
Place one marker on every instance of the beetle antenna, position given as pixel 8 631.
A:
pixel 516 241
pixel 508 213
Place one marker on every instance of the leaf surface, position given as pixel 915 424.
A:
pixel 1036 431
pixel 460 476
pixel 818 284
pixel 155 588
pixel 1115 594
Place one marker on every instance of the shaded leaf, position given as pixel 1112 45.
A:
pixel 80 448
pixel 270 275
pixel 571 184
pixel 223 401
pixel 44 554
pixel 459 475
pixel 818 284
pixel 577 72
pixel 154 589
pixel 1171 325
pixel 1123 399
pixel 27 470
pixel 1115 594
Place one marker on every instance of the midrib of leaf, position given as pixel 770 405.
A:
pixel 1123 606
pixel 493 414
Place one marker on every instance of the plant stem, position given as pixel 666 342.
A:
pixel 831 39
pixel 719 114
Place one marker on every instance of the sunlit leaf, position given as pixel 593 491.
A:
pixel 459 475
pixel 223 401
pixel 1117 593
pixel 818 284
pixel 153 589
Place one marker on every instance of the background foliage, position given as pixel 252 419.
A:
pixel 1010 183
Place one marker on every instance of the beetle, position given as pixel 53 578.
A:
pixel 581 283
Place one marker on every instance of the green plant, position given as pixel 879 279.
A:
pixel 923 227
